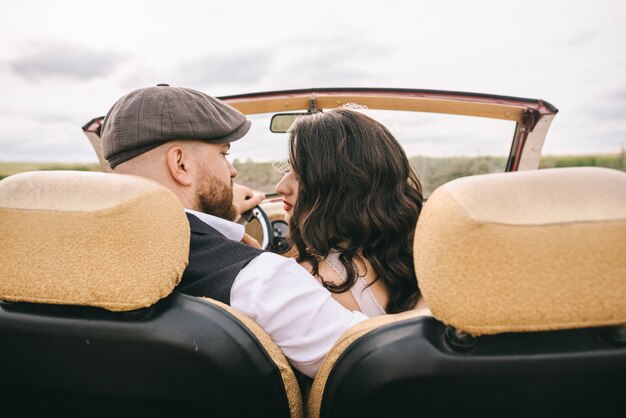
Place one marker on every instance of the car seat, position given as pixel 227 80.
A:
pixel 88 322
pixel 525 275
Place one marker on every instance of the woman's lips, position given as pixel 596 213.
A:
pixel 288 207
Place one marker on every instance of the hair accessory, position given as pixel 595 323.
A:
pixel 282 166
pixel 353 106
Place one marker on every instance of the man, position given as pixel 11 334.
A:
pixel 180 138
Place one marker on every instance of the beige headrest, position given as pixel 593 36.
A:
pixel 109 240
pixel 526 251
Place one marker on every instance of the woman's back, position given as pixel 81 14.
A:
pixel 366 295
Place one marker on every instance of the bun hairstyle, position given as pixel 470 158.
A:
pixel 357 193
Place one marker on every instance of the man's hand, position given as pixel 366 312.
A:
pixel 248 240
pixel 245 198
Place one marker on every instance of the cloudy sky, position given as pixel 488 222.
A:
pixel 64 62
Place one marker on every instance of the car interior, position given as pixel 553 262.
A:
pixel 524 273
pixel 86 332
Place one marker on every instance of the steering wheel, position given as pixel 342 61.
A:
pixel 259 214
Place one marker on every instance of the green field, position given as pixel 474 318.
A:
pixel 433 172
pixel 7 169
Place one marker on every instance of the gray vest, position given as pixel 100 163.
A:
pixel 214 262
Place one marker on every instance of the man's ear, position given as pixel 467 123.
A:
pixel 179 164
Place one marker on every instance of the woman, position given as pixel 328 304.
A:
pixel 352 202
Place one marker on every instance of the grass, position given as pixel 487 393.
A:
pixel 617 161
pixel 432 172
pixel 7 169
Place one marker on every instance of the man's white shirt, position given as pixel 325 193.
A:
pixel 298 313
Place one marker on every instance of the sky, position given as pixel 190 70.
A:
pixel 65 62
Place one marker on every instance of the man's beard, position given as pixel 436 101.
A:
pixel 216 198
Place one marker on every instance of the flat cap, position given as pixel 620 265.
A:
pixel 148 117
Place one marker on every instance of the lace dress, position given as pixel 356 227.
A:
pixel 363 295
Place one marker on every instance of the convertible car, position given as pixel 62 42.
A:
pixel 524 271
pixel 501 133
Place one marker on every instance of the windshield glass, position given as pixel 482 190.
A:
pixel 440 147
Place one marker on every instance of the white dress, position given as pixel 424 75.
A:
pixel 363 295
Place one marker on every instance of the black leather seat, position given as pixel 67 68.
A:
pixel 181 356
pixel 70 348
pixel 525 275
pixel 415 369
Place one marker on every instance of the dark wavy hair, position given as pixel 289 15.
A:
pixel 357 191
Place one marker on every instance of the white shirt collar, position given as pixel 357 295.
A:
pixel 229 229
